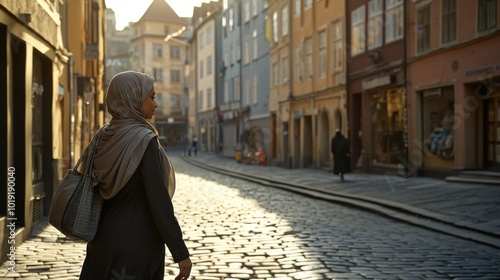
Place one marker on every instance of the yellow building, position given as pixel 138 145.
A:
pixel 308 74
pixel 38 93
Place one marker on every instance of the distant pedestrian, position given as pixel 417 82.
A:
pixel 341 155
pixel 194 144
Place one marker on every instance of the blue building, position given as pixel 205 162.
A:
pixel 231 70
pixel 245 71
pixel 255 72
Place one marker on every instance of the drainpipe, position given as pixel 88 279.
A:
pixel 290 49
pixel 405 92
pixel 71 117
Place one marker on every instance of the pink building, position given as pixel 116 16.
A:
pixel 453 86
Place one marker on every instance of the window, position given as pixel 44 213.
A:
pixel 275 26
pixel 284 69
pixel 438 125
pixel 175 103
pixel 246 11
pixel 201 40
pixel 166 29
pixel 308 59
pixel 175 52
pixel 200 100
pixel 159 101
pixel 236 91
pixel 307 4
pixel 255 45
pixel 298 64
pixel 486 15
pixel 246 51
pixel 209 65
pixel 358 31
pixel 238 51
pixel 424 29
pixel 209 35
pixel 232 53
pixel 231 19
pixel 284 21
pixel 226 55
pixel 394 20
pixel 375 24
pixel 255 7
pixel 175 76
pixel 387 126
pixel 255 89
pixel 157 50
pixel 449 21
pixel 275 74
pixel 297 7
pixel 201 68
pixel 322 54
pixel 209 98
pixel 226 91
pixel 338 50
pixel 246 91
pixel 158 74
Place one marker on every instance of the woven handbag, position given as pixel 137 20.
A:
pixel 77 204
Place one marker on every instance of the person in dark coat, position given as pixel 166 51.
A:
pixel 137 181
pixel 194 144
pixel 341 155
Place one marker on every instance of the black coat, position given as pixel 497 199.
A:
pixel 341 154
pixel 135 225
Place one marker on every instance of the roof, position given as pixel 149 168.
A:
pixel 160 10
pixel 205 11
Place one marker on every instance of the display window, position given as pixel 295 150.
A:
pixel 387 125
pixel 438 123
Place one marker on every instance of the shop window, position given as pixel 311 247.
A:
pixel 387 127
pixel 437 127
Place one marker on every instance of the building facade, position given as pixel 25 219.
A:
pixel 51 82
pixel 317 57
pixel 453 86
pixel 231 71
pixel 255 76
pixel 206 23
pixel 280 92
pixel 376 84
pixel 307 81
pixel 164 60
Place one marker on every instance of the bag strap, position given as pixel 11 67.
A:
pixel 92 146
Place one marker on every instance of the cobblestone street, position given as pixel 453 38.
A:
pixel 240 230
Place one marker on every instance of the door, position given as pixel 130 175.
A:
pixel 492 131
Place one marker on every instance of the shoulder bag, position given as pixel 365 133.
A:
pixel 76 205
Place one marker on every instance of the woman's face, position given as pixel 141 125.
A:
pixel 149 105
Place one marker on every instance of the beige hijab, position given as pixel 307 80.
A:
pixel 126 137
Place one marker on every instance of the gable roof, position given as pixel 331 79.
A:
pixel 160 10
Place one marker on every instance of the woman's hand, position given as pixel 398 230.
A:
pixel 184 269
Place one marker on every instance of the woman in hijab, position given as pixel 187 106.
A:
pixel 137 181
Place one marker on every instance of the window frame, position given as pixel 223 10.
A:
pixel 358 37
pixel 375 24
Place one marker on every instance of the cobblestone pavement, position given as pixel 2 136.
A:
pixel 239 230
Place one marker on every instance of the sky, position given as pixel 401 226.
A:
pixel 132 10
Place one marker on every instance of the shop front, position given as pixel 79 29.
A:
pixel 387 127
pixel 438 128
pixel 382 124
